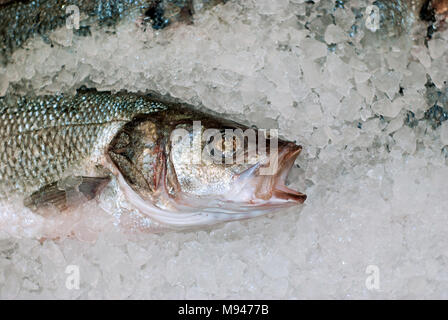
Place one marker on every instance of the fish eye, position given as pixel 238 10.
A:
pixel 224 145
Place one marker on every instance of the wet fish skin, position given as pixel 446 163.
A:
pixel 43 137
pixel 21 20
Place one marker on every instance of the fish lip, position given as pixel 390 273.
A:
pixel 289 154
pixel 285 193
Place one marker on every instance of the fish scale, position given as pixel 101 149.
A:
pixel 44 137
pixel 22 20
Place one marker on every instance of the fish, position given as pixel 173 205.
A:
pixel 21 20
pixel 174 164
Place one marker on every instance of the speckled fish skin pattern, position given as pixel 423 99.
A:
pixel 43 137
pixel 21 20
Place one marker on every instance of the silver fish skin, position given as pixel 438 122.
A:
pixel 58 152
pixel 43 138
pixel 21 20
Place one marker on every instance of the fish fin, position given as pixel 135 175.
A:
pixel 66 193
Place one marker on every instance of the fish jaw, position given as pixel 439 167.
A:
pixel 269 191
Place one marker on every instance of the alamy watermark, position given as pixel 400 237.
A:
pixel 73 278
pixel 373 278
pixel 72 21
pixel 372 18
pixel 229 146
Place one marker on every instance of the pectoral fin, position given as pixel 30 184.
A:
pixel 67 193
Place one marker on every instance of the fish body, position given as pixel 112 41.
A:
pixel 44 138
pixel 21 20
pixel 58 152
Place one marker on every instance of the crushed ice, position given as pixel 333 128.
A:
pixel 366 106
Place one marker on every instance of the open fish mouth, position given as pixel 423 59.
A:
pixel 270 190
pixel 261 186
pixel 281 191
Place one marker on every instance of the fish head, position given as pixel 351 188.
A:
pixel 186 168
